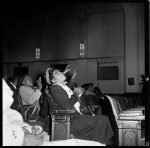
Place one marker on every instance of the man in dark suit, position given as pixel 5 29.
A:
pixel 12 83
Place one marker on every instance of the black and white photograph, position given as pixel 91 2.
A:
pixel 75 73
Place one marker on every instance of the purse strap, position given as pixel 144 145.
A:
pixel 33 112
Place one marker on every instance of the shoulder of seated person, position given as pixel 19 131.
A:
pixel 26 87
pixel 55 86
pixel 89 93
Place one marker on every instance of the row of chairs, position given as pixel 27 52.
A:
pixel 128 101
pixel 60 119
pixel 132 124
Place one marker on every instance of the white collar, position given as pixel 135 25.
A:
pixel 13 85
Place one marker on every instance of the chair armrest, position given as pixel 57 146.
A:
pixel 61 115
pixel 25 106
pixel 69 111
pixel 20 107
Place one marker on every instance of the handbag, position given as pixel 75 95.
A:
pixel 32 113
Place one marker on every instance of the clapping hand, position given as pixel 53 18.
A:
pixel 36 129
pixel 78 91
pixel 74 74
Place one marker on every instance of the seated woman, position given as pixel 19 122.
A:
pixel 32 95
pixel 29 94
pixel 86 127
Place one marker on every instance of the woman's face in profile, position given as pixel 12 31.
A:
pixel 28 81
pixel 58 76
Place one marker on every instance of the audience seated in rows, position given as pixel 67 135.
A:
pixel 18 133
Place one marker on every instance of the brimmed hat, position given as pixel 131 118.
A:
pixel 47 75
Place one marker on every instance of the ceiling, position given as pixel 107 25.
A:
pixel 14 12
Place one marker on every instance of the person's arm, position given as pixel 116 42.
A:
pixel 74 75
pixel 36 104
pixel 31 139
pixel 60 96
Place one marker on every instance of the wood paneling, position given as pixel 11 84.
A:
pixel 106 35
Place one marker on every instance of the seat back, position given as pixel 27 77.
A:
pixel 122 100
pixel 60 127
pixel 126 126
pixel 115 108
pixel 110 109
pixel 22 108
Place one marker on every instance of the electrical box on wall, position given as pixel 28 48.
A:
pixel 130 81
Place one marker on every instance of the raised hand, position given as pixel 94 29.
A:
pixel 39 83
pixel 78 91
pixel 66 69
pixel 74 74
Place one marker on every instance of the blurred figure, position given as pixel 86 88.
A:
pixel 97 91
pixel 84 88
pixel 89 89
pixel 93 99
pixel 41 77
pixel 144 83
